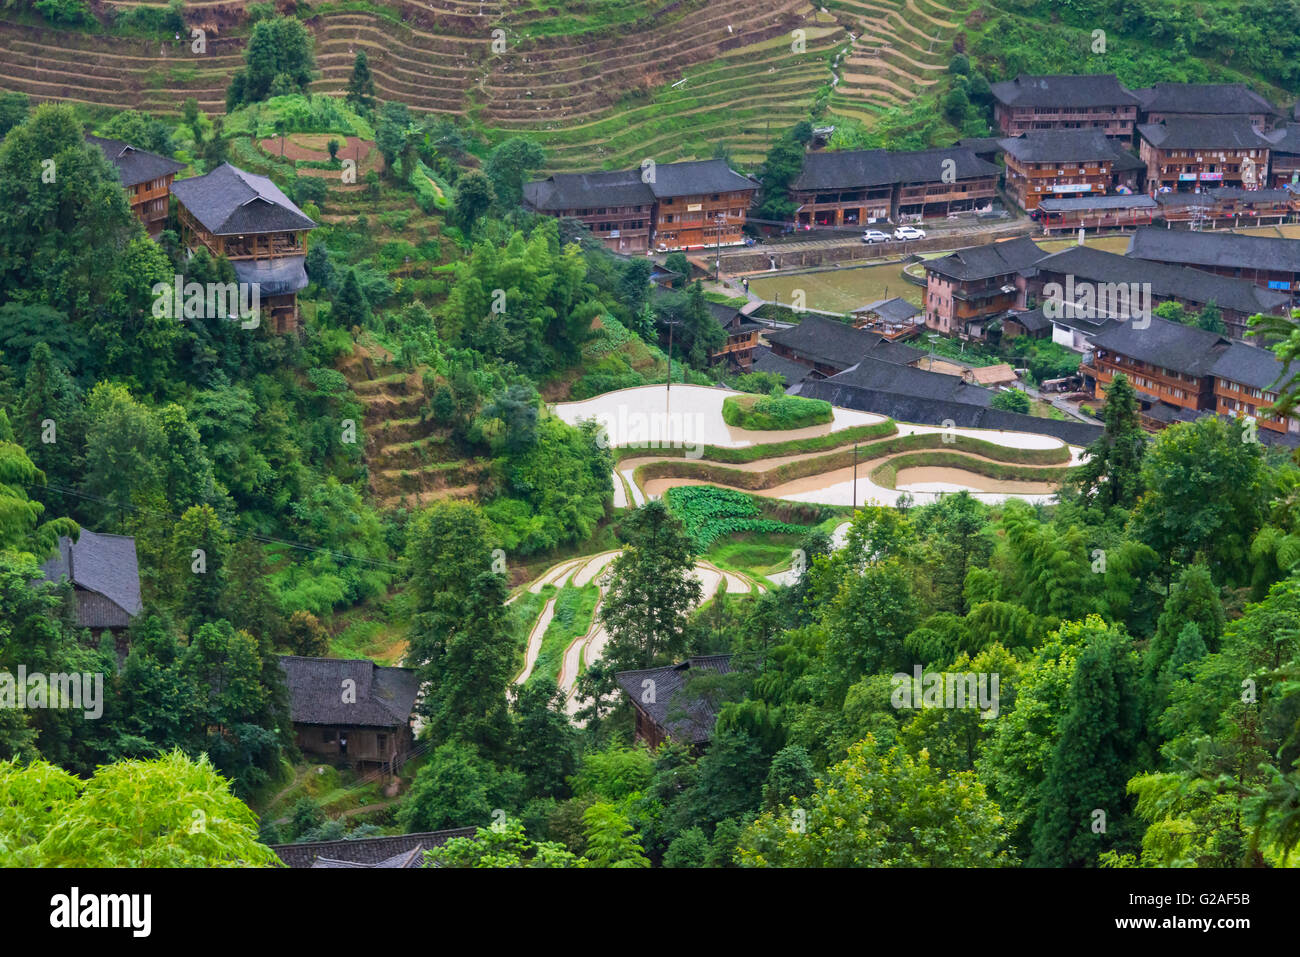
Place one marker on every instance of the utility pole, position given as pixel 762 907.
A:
pixel 855 477
pixel 669 388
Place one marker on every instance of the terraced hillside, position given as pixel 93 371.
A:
pixel 900 48
pixel 609 82
pixel 411 459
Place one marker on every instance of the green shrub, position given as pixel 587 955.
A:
pixel 774 412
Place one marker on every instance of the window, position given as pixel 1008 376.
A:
pixel 381 742
pixel 327 735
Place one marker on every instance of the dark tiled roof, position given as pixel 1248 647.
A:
pixel 981 145
pixel 587 190
pixel 1204 133
pixel 1202 99
pixel 1169 414
pixel 1062 146
pixel 1251 366
pixel 106 576
pixel 765 360
pixel 882 376
pixel 1097 89
pixel 1286 139
pixel 1115 201
pixel 703 176
pixel 927 411
pixel 1183 282
pixel 891 310
pixel 384 697
pixel 846 169
pixel 836 343
pixel 1169 345
pixel 985 262
pixel 366 851
pixel 231 202
pixel 1034 320
pixel 1216 249
pixel 134 165
pixel 685 719
pixel 627 187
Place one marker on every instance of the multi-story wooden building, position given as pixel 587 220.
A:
pixel 247 219
pixel 1092 276
pixel 970 286
pixel 1166 101
pixel 1189 153
pixel 1166 362
pixel 1246 380
pixel 1064 102
pixel 616 206
pixel 146 177
pixel 700 205
pixel 671 206
pixel 857 187
pixel 1066 164
pixel 1267 261
pixel 1179 371
pixel 742 336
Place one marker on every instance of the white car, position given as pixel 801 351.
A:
pixel 909 232
pixel 875 236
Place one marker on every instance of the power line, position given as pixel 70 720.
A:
pixel 264 539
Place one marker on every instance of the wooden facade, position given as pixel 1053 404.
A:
pixel 382 747
pixel 1183 169
pixel 1030 183
pixel 1065 102
pixel 671 207
pixel 892 202
pixel 149 202
pixel 1235 399
pixel 1182 389
pixel 701 220
pixel 848 207
pixel 1116 121
pixel 281 310
pixel 623 229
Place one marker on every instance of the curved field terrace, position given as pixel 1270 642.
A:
pixel 664 440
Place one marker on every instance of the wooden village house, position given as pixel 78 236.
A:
pixel 247 219
pixel 105 578
pixel 146 177
pixel 351 711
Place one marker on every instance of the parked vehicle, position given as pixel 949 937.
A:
pixel 875 236
pixel 909 232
